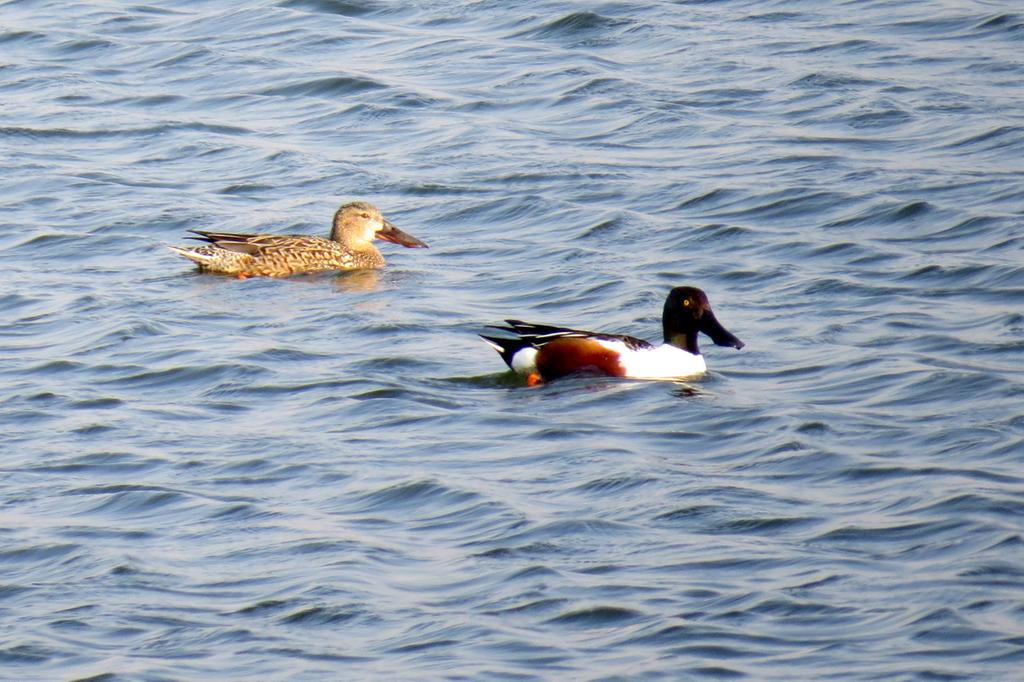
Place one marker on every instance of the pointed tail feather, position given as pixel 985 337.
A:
pixel 539 332
pixel 507 348
pixel 194 255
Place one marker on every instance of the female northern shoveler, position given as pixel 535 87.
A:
pixel 542 353
pixel 349 248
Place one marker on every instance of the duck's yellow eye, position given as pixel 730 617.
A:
pixel 686 303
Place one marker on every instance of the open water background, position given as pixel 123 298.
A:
pixel 331 478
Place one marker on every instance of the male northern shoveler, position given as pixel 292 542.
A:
pixel 350 247
pixel 542 353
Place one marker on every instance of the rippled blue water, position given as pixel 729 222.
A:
pixel 331 478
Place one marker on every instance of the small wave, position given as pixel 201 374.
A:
pixel 131 500
pixel 802 610
pixel 192 57
pixel 773 17
pixel 281 354
pixel 998 27
pixel 331 86
pixel 532 550
pixel 264 606
pixel 787 204
pixel 322 615
pixel 882 118
pixel 997 506
pixel 597 617
pixel 764 525
pixel 100 464
pixel 345 8
pixel 47 553
pixel 1001 23
pixel 614 484
pixel 76 47
pixel 831 81
pixel 418 494
pixel 26 653
pixel 101 133
pixel 21 36
pixel 887 214
pixel 1000 136
pixel 427 645
pixel 721 233
pixel 686 513
pixel 244 188
pixel 851 46
pixel 576 24
pixel 183 375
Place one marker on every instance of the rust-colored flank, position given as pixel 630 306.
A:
pixel 567 355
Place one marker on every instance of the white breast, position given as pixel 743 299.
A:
pixel 661 362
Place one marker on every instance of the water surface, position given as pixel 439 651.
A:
pixel 331 477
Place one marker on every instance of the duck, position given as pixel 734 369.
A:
pixel 350 247
pixel 542 353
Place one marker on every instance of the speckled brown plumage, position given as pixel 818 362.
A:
pixel 252 255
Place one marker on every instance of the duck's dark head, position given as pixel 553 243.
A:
pixel 687 311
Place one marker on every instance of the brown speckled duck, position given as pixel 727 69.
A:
pixel 350 247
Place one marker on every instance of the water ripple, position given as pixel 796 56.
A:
pixel 331 477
